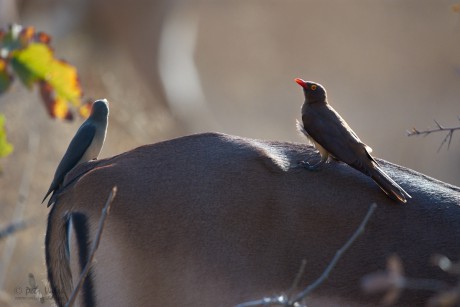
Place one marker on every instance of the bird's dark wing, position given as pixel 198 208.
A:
pixel 77 148
pixel 331 131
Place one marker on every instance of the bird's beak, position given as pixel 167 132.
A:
pixel 301 82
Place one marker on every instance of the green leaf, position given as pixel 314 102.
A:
pixel 32 63
pixel 5 147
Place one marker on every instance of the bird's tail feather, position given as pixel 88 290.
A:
pixel 388 185
pixel 47 194
pixel 52 191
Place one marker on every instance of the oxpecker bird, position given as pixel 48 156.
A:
pixel 85 145
pixel 332 136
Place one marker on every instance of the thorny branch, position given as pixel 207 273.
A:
pixel 447 139
pixel 285 301
pixel 97 239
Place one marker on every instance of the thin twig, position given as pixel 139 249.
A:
pixel 297 279
pixel 336 258
pixel 283 300
pixel 447 139
pixel 84 274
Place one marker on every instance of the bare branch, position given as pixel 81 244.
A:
pixel 14 227
pixel 283 300
pixel 392 281
pixel 446 264
pixel 437 124
pixel 447 139
pixel 337 256
pixel 84 274
pixel 297 278
pixel 267 301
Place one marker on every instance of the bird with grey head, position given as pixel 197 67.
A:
pixel 332 136
pixel 85 145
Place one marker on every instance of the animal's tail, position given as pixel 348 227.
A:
pixel 57 260
pixel 388 185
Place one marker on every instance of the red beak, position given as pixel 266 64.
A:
pixel 301 82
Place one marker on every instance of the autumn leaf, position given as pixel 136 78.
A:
pixel 56 107
pixel 5 77
pixel 32 59
pixel 37 63
pixel 64 79
pixel 5 147
pixel 85 109
pixel 28 55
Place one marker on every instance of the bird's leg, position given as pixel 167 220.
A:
pixel 317 166
pixel 310 167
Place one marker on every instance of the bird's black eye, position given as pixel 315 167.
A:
pixel 313 87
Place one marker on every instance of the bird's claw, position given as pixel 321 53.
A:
pixel 308 166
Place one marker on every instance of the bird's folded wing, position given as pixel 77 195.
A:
pixel 334 137
pixel 77 148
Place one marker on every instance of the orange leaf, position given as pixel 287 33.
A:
pixel 42 37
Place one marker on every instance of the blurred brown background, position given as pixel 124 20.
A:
pixel 171 68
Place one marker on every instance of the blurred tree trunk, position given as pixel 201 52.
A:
pixel 8 12
pixel 137 25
